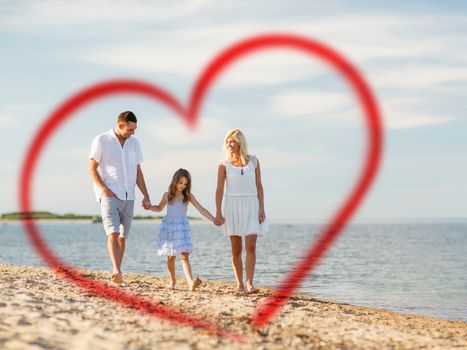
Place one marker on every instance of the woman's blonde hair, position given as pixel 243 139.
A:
pixel 173 185
pixel 238 136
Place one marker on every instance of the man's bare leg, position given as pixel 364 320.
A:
pixel 121 251
pixel 114 254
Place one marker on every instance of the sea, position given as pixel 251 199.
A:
pixel 412 268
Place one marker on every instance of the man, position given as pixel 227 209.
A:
pixel 115 170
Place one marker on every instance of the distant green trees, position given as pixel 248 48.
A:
pixel 47 215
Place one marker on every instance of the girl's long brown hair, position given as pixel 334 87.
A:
pixel 173 185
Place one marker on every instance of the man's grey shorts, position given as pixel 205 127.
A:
pixel 117 215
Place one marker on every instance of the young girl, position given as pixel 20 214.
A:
pixel 175 236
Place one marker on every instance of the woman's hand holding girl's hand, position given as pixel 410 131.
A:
pixel 219 220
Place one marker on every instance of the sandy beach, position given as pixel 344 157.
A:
pixel 39 310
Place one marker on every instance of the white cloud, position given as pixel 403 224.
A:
pixel 174 132
pixel 169 56
pixel 8 167
pixel 377 35
pixel 420 76
pixel 303 103
pixel 195 160
pixel 403 113
pixel 6 120
pixel 77 152
pixel 184 51
pixel 50 14
pixel 405 120
pixel 271 68
pixel 271 158
pixel 364 37
pixel 397 113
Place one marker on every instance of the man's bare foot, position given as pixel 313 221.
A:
pixel 196 283
pixel 117 280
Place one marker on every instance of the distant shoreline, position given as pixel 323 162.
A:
pixel 47 216
pixel 84 220
pixel 66 221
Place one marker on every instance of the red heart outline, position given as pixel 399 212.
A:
pixel 208 76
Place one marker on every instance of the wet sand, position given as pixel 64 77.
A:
pixel 39 310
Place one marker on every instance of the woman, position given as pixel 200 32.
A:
pixel 243 205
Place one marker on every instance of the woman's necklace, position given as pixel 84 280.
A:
pixel 238 163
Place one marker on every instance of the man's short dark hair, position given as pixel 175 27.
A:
pixel 126 117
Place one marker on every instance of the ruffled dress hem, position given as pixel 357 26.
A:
pixel 174 236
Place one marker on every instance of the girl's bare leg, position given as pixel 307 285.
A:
pixel 250 262
pixel 192 284
pixel 171 269
pixel 237 264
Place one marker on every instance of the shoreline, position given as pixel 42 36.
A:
pixel 195 220
pixel 90 221
pixel 39 309
pixel 70 221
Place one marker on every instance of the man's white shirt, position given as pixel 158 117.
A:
pixel 117 164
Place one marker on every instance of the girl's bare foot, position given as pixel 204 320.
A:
pixel 250 289
pixel 196 283
pixel 240 290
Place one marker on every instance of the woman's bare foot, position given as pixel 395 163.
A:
pixel 170 285
pixel 196 283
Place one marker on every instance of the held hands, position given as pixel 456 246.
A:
pixel 219 220
pixel 146 203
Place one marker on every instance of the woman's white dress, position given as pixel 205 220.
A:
pixel 241 203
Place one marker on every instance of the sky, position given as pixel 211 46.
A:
pixel 300 117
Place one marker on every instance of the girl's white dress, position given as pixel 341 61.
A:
pixel 241 203
pixel 175 235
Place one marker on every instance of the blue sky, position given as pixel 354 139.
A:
pixel 299 116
